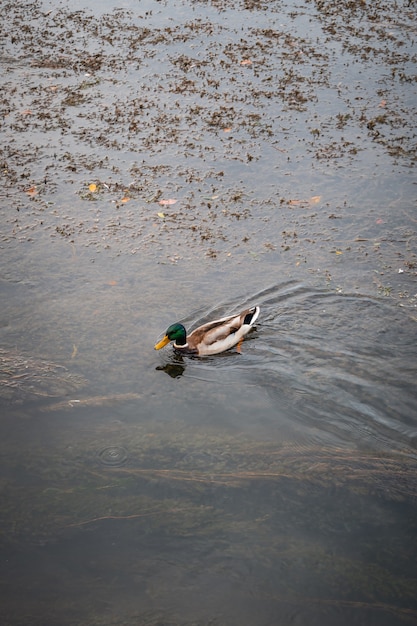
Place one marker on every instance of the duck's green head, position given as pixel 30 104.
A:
pixel 175 333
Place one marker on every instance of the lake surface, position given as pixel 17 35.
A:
pixel 181 161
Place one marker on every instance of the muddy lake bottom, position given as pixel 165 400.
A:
pixel 183 161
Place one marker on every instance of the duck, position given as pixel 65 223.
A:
pixel 213 337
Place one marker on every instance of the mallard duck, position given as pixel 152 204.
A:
pixel 213 337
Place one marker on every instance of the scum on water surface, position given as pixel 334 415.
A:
pixel 271 125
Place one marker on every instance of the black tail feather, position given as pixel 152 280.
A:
pixel 249 316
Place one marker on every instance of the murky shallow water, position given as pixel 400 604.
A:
pixel 276 486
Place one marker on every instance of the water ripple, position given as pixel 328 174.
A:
pixel 114 456
pixel 333 365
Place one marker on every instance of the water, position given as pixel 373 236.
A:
pixel 276 486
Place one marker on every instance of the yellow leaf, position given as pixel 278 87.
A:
pixel 125 199
pixel 339 252
pixel 92 187
pixel 161 215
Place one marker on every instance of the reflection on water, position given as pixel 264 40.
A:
pixel 174 367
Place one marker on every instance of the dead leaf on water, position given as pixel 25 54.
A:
pixel 246 62
pixel 32 191
pixel 315 199
pixel 92 187
pixel 74 351
pixel 304 203
pixel 161 215
pixel 167 202
pixel 125 199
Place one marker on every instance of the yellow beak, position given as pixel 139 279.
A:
pixel 162 343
